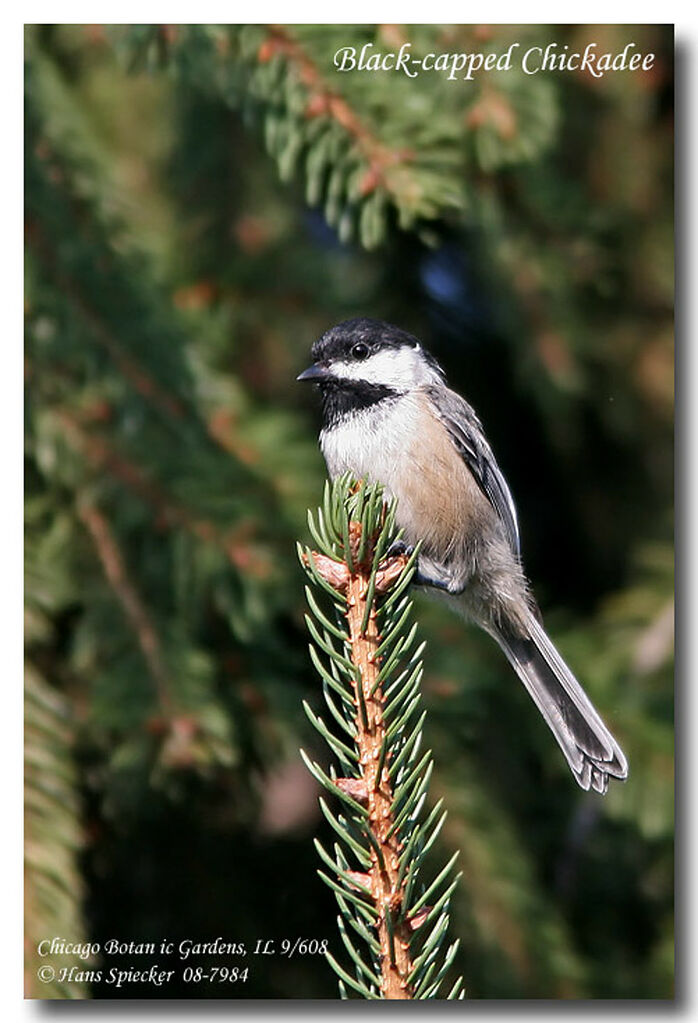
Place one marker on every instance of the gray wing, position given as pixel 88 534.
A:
pixel 465 430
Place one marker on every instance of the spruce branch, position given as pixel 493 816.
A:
pixel 370 158
pixel 371 672
pixel 364 171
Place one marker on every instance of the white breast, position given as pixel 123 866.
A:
pixel 373 443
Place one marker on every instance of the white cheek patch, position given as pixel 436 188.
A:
pixel 400 368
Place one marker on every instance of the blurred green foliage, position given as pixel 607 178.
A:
pixel 175 279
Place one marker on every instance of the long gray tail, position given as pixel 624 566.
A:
pixel 590 749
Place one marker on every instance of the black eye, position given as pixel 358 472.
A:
pixel 360 350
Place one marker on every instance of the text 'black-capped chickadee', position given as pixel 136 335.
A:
pixel 389 416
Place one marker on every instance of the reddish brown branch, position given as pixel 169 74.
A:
pixel 383 162
pixel 134 610
pixel 169 512
pixel 374 792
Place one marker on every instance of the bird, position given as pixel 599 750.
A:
pixel 389 416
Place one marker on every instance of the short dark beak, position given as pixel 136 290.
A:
pixel 318 371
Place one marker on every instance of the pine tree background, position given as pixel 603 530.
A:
pixel 201 203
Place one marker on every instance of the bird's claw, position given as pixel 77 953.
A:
pixel 399 548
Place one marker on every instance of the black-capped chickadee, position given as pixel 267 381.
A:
pixel 389 416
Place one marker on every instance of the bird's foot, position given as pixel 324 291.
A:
pixel 421 577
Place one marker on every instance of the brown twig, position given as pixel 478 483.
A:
pixel 374 791
pixel 140 379
pixel 169 513
pixel 134 610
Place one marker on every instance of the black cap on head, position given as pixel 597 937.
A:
pixel 338 341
